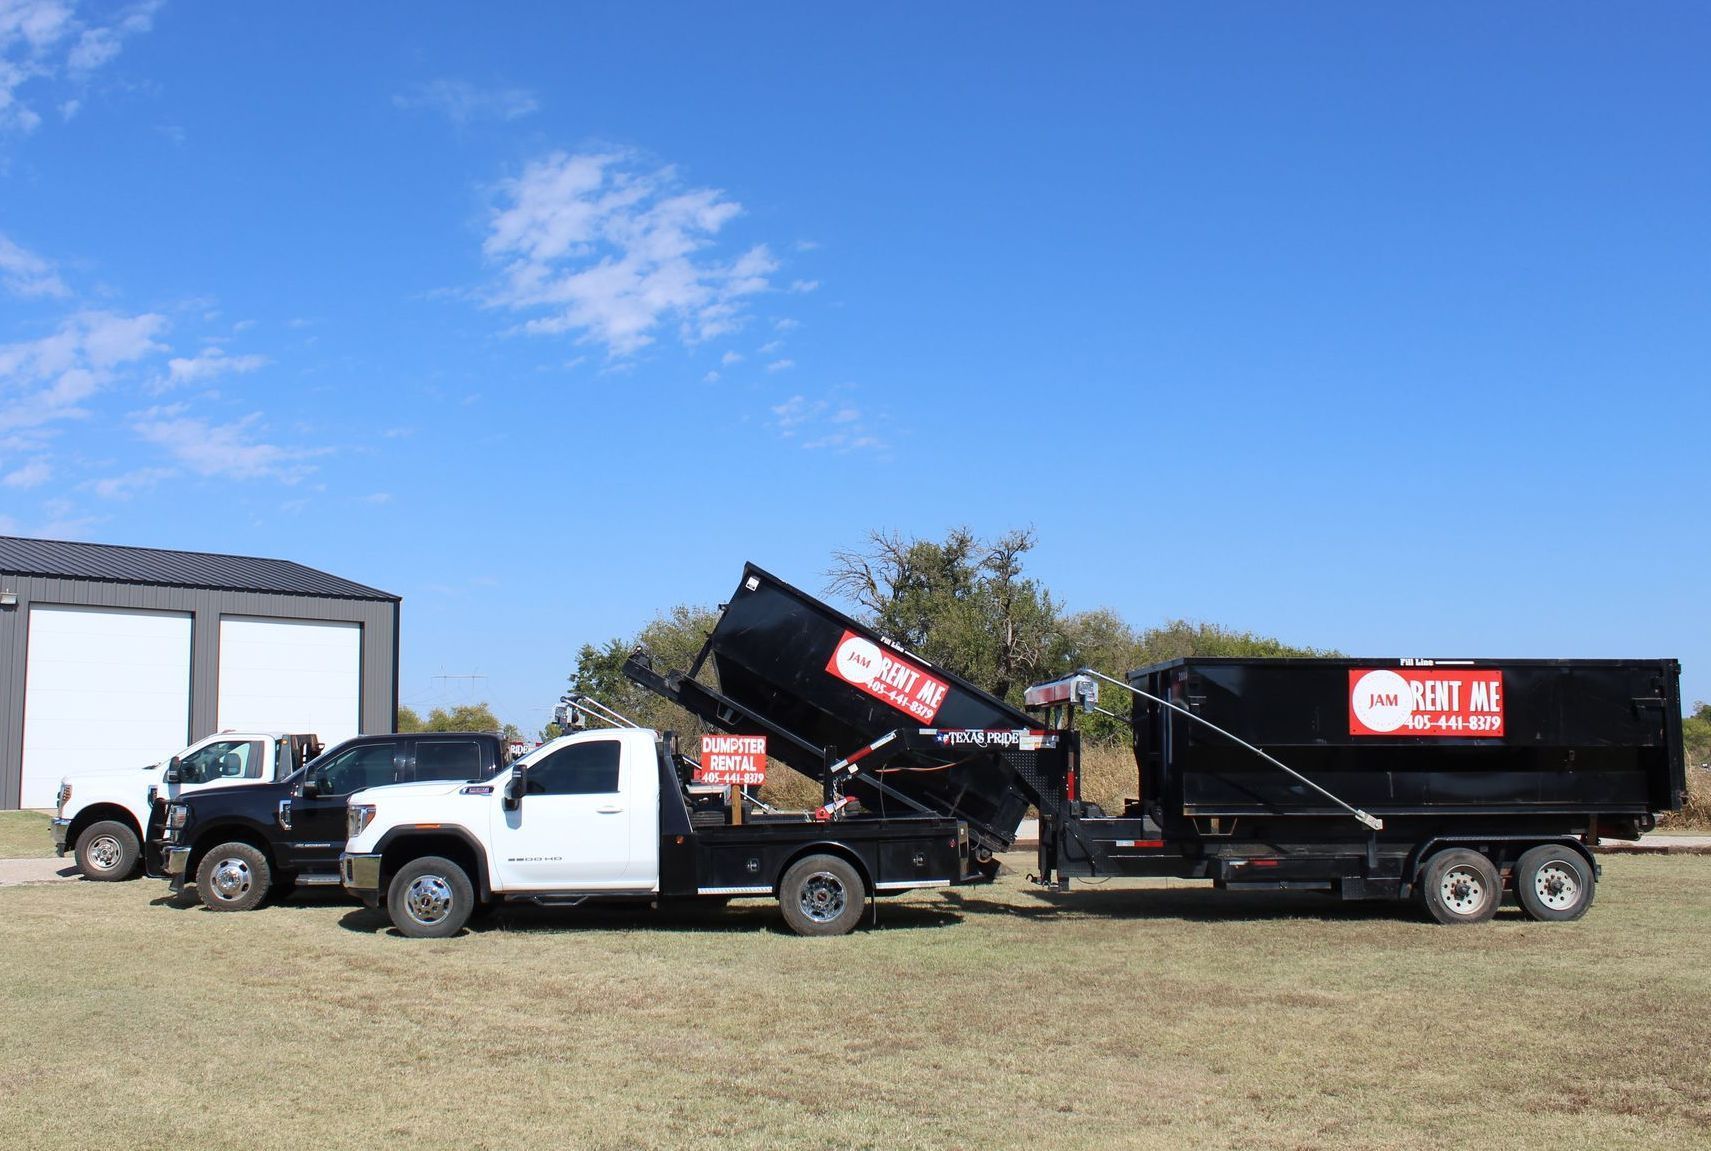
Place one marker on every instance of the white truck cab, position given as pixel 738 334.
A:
pixel 580 813
pixel 112 820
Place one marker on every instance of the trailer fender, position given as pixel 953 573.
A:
pixel 1513 846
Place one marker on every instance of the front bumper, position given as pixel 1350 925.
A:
pixel 177 859
pixel 61 828
pixel 361 876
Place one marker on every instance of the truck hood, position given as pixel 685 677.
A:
pixel 424 790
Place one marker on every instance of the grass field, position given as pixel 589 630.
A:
pixel 1140 1016
pixel 24 835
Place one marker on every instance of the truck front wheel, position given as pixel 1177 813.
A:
pixel 233 877
pixel 1553 883
pixel 108 851
pixel 821 895
pixel 1461 886
pixel 430 898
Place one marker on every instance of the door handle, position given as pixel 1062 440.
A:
pixel 608 810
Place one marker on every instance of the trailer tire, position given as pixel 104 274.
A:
pixel 108 851
pixel 822 895
pixel 430 898
pixel 1461 886
pixel 233 877
pixel 1553 883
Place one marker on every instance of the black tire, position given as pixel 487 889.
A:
pixel 1461 886
pixel 1553 883
pixel 822 895
pixel 430 898
pixel 233 877
pixel 108 851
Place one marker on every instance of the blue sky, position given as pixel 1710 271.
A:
pixel 1371 329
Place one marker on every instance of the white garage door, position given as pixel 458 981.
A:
pixel 103 690
pixel 287 675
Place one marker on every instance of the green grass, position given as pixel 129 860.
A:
pixel 1147 1015
pixel 24 835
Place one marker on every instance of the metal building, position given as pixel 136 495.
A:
pixel 115 657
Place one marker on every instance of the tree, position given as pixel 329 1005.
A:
pixel 1696 734
pixel 963 603
pixel 1102 640
pixel 464 717
pixel 672 639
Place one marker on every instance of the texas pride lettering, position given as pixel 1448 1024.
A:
pixel 1438 701
pixel 887 676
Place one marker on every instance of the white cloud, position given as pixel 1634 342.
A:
pixel 43 42
pixel 608 252
pixel 710 378
pixel 122 487
pixel 48 379
pixel 770 347
pixel 803 287
pixel 230 450
pixel 825 424
pixel 781 365
pixel 26 274
pixel 377 498
pixel 211 363
pixel 730 358
pixel 32 474
pixel 462 102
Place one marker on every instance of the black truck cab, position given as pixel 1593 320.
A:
pixel 238 844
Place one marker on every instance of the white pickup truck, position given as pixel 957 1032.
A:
pixel 112 820
pixel 603 814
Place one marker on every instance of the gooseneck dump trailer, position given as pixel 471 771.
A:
pixel 1453 781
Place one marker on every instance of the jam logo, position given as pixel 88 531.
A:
pixel 887 676
pixel 1447 702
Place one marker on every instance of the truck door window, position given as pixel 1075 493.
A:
pixel 580 769
pixel 226 759
pixel 447 759
pixel 360 767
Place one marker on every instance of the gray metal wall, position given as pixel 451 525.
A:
pixel 378 710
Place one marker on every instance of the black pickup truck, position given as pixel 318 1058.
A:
pixel 240 844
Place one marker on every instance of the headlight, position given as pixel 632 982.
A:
pixel 357 817
pixel 176 814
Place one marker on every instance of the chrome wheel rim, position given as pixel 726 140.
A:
pixel 105 853
pixel 823 897
pixel 1557 885
pixel 1463 890
pixel 428 899
pixel 231 879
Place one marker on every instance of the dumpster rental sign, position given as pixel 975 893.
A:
pixel 1454 702
pixel 733 760
pixel 888 677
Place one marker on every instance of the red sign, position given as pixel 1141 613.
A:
pixel 1455 702
pixel 733 760
pixel 887 676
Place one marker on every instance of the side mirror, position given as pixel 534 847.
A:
pixel 314 785
pixel 515 787
pixel 173 775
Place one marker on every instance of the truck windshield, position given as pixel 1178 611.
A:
pixel 224 759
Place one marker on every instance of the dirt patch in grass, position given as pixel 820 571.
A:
pixel 1147 1014
pixel 24 835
